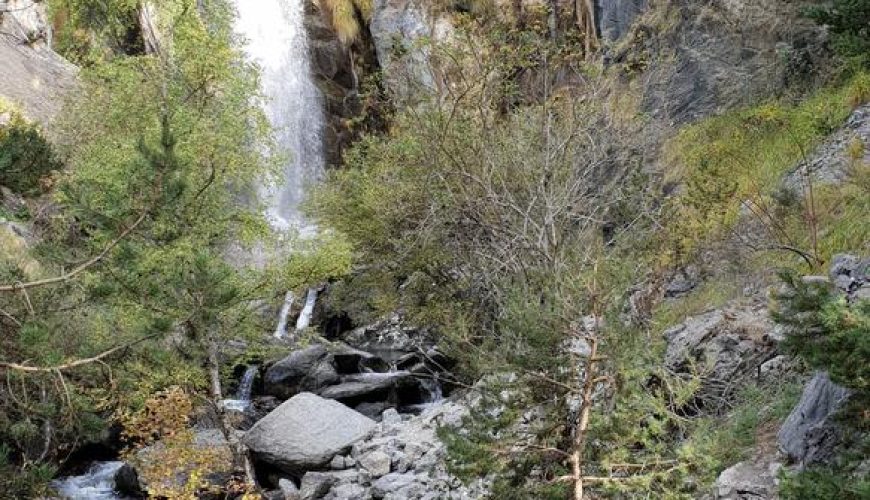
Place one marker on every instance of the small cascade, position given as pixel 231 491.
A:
pixel 242 400
pixel 281 329
pixel 307 311
pixel 98 483
pixel 432 387
pixel 432 396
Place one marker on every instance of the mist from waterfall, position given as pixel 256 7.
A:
pixel 278 42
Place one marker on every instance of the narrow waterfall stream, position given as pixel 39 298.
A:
pixel 278 42
pixel 305 316
pixel 281 329
pixel 243 396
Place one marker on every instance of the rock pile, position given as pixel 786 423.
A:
pixel 401 458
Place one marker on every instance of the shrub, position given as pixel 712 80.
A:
pixel 849 24
pixel 827 332
pixel 26 158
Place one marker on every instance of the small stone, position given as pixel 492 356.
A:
pixel 289 489
pixel 338 463
pixel 376 462
pixel 316 484
pixel 391 483
pixel 391 417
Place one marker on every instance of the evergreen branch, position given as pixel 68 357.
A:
pixel 76 363
pixel 81 268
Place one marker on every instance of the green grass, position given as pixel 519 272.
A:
pixel 744 154
pixel 717 443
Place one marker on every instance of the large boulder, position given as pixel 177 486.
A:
pixel 308 369
pixel 306 432
pixel 809 435
pixel 722 346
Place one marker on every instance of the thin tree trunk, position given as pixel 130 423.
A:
pixel 241 461
pixel 583 421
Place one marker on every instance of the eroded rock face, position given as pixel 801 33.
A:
pixel 402 31
pixel 830 162
pixel 723 346
pixel 809 435
pixel 615 17
pixel 695 59
pixel 306 432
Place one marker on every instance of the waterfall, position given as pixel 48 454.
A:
pixel 243 395
pixel 98 483
pixel 305 316
pixel 281 329
pixel 278 42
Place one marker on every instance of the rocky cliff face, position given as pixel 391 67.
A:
pixel 33 77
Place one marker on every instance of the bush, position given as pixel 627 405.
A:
pixel 26 158
pixel 825 331
pixel 849 24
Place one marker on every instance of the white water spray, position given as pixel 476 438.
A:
pixel 98 483
pixel 243 396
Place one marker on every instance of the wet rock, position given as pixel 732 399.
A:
pixel 127 481
pixel 810 435
pixel 307 369
pixel 306 432
pixel 363 384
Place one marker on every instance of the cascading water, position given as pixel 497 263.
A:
pixel 305 316
pixel 281 329
pixel 98 483
pixel 243 396
pixel 278 42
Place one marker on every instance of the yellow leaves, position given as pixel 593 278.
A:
pixel 171 463
pixel 346 15
pixel 165 414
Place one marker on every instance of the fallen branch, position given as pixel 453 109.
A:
pixel 72 274
pixel 76 363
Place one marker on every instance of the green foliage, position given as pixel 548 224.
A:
pixel 26 159
pixel 88 32
pixel 826 331
pixel 824 483
pixel 741 156
pixel 848 22
pixel 716 442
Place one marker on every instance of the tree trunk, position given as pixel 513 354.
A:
pixel 583 420
pixel 241 460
